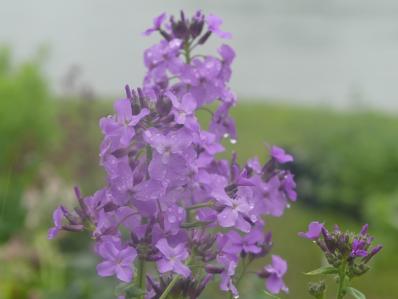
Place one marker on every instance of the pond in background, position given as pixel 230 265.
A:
pixel 341 53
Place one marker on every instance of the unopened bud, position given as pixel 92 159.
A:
pixel 317 289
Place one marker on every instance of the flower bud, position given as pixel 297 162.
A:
pixel 317 289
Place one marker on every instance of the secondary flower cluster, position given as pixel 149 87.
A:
pixel 169 200
pixel 344 249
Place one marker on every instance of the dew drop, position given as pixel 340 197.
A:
pixel 233 141
pixel 226 135
pixel 236 296
pixel 288 206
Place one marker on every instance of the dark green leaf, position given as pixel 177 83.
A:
pixel 355 293
pixel 323 270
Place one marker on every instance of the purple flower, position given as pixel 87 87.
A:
pixel 157 23
pixel 314 231
pixel 203 76
pixel 372 253
pixel 167 191
pixel 280 155
pixel 358 248
pixel 117 261
pixel 58 215
pixel 274 275
pixel 229 263
pixel 233 214
pixel 174 142
pixel 364 230
pixel 289 186
pixel 172 258
pixel 214 23
pixel 248 243
pixel 121 127
pixel 183 109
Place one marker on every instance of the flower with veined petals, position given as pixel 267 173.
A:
pixel 116 261
pixel 172 258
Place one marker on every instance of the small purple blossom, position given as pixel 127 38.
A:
pixel 116 261
pixel 58 215
pixel 314 231
pixel 249 243
pixel 358 248
pixel 214 23
pixel 229 266
pixel 172 258
pixel 274 273
pixel 280 155
pixel 157 22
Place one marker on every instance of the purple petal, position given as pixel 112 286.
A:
pixel 214 24
pixel 165 248
pixel 136 118
pixel 123 110
pixel 124 273
pixel 227 217
pixel 182 269
pixel 164 266
pixel 52 232
pixel 314 231
pixel 58 216
pixel 106 269
pixel 274 284
pixel 279 264
pixel 280 155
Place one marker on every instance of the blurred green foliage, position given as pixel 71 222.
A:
pixel 26 130
pixel 345 161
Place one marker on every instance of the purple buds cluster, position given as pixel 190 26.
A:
pixel 353 250
pixel 347 253
pixel 169 202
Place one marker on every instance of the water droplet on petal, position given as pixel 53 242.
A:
pixel 226 135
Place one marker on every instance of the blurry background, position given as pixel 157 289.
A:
pixel 317 77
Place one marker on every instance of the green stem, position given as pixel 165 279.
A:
pixel 187 53
pixel 341 289
pixel 201 205
pixel 141 275
pixel 194 224
pixel 170 287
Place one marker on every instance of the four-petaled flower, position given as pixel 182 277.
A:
pixel 274 275
pixel 172 258
pixel 117 261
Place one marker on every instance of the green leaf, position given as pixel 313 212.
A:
pixel 269 295
pixel 355 293
pixel 327 270
pixel 129 290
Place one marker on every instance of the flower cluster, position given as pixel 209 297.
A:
pixel 347 253
pixel 169 200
